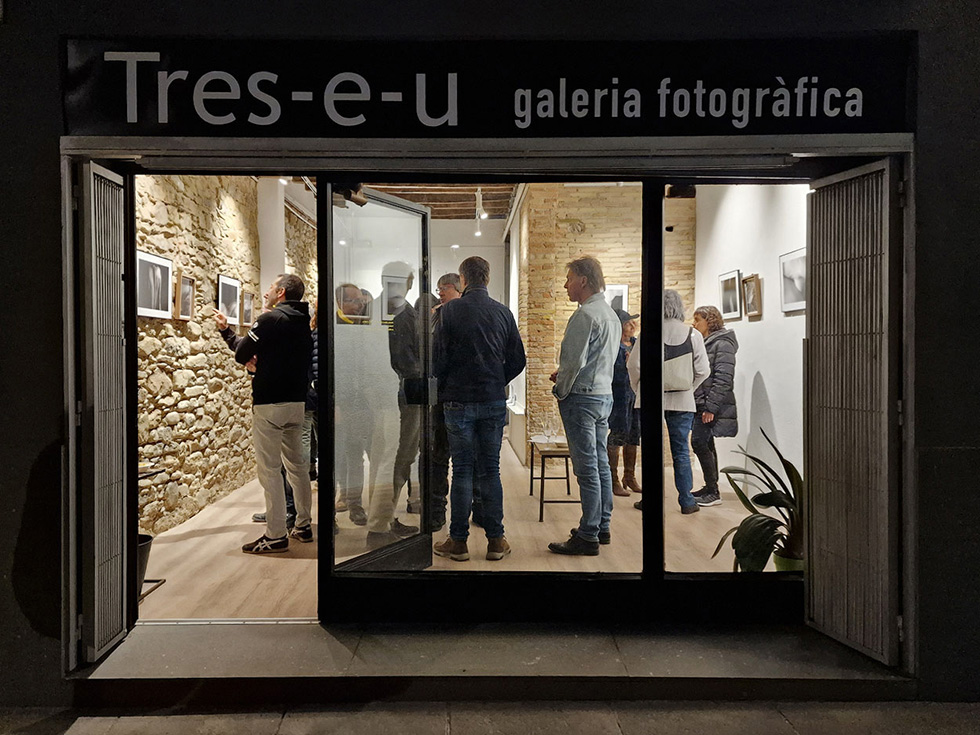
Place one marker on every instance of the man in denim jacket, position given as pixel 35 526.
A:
pixel 583 386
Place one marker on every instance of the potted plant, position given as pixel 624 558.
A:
pixel 760 535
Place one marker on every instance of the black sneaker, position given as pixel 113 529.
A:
pixel 700 492
pixel 638 505
pixel 575 546
pixel 707 499
pixel 258 518
pixel 604 538
pixel 687 510
pixel 266 545
pixel 303 534
pixel 401 530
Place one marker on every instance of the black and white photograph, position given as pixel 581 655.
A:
pixel 394 295
pixel 229 298
pixel 248 299
pixel 792 277
pixel 618 295
pixel 185 300
pixel 752 295
pixel 154 286
pixel 730 287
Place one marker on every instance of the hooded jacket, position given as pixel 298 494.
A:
pixel 717 393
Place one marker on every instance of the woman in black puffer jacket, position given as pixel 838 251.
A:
pixel 716 413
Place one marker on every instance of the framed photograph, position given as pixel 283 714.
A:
pixel 248 314
pixel 752 295
pixel 154 286
pixel 393 296
pixel 186 291
pixel 618 296
pixel 792 280
pixel 730 286
pixel 230 298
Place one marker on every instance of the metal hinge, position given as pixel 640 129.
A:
pixel 78 413
pixel 901 629
pixel 901 416
pixel 76 195
pixel 902 197
pixel 78 627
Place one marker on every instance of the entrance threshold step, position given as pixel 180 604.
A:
pixel 304 661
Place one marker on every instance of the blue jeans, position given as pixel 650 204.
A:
pixel 678 430
pixel 475 432
pixel 586 420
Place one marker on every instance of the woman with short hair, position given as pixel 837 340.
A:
pixel 716 413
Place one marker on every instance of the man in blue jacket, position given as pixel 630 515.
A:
pixel 583 387
pixel 477 352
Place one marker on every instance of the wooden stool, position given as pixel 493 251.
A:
pixel 549 450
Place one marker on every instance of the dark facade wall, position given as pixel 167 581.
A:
pixel 948 231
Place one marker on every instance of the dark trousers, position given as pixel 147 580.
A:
pixel 703 444
pixel 439 455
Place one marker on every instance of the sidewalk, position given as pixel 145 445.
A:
pixel 537 718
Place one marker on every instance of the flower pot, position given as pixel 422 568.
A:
pixel 142 557
pixel 785 564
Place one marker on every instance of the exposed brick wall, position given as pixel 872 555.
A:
pixel 560 223
pixel 301 257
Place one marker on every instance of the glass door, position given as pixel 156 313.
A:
pixel 379 355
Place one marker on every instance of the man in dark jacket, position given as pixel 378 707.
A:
pixel 477 352
pixel 281 345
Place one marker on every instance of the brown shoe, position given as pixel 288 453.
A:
pixel 629 468
pixel 618 488
pixel 497 548
pixel 455 550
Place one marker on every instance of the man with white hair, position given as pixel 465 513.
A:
pixel 583 387
pixel 685 368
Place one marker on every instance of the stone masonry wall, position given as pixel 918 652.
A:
pixel 565 222
pixel 301 257
pixel 194 418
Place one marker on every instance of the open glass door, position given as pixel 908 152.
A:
pixel 379 349
pixel 853 300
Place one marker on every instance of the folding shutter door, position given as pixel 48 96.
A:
pixel 852 395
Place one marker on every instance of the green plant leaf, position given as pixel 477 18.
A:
pixel 754 541
pixel 728 533
pixel 795 478
pixel 776 481
pixel 741 496
pixel 774 500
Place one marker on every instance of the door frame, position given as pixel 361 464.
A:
pixel 659 595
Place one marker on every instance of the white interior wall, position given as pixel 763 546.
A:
pixel 490 246
pixel 747 228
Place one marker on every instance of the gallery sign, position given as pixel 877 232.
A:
pixel 506 89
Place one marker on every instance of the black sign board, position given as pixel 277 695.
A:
pixel 486 89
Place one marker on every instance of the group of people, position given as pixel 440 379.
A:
pixel 699 398
pixel 476 352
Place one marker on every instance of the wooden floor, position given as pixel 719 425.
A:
pixel 209 577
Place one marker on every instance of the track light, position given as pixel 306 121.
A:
pixel 283 180
pixel 481 213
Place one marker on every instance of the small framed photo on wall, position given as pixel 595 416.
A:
pixel 154 286
pixel 186 292
pixel 752 295
pixel 730 296
pixel 618 296
pixel 230 298
pixel 792 280
pixel 248 302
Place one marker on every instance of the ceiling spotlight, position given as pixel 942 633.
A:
pixel 454 246
pixel 283 180
pixel 341 242
pixel 481 213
